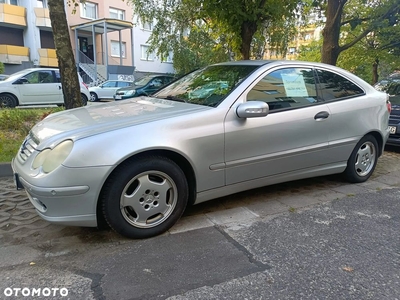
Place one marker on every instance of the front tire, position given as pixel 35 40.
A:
pixel 8 101
pixel 363 160
pixel 93 97
pixel 145 197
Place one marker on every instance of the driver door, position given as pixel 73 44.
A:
pixel 292 137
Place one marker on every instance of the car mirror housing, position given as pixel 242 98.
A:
pixel 252 109
pixel 22 80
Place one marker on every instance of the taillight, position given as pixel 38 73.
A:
pixel 389 106
pixel 84 84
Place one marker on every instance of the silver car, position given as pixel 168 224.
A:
pixel 138 163
pixel 107 89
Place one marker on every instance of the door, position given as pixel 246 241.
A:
pixel 40 87
pixel 293 136
pixel 108 89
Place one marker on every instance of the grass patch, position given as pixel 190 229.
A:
pixel 14 127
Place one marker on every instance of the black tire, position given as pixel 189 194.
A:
pixel 363 160
pixel 93 97
pixel 84 99
pixel 8 101
pixel 157 193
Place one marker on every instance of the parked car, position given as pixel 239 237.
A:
pixel 393 89
pixel 138 163
pixel 209 89
pixel 143 87
pixel 36 86
pixel 107 89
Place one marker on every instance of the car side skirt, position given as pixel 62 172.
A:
pixel 260 182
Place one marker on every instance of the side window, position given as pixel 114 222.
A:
pixel 286 88
pixel 123 84
pixel 46 77
pixel 58 77
pixel 32 77
pixel 109 84
pixel 334 86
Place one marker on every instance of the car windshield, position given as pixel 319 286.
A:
pixel 208 86
pixel 16 75
pixel 143 81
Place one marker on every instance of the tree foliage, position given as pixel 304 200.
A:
pixel 208 30
pixel 354 20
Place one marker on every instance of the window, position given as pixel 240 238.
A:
pixel 41 3
pixel 334 86
pixel 88 10
pixel 286 88
pixel 156 82
pixel 40 77
pixel 12 2
pixel 109 84
pixel 147 26
pixel 144 53
pixel 115 51
pixel 168 59
pixel 123 84
pixel 117 13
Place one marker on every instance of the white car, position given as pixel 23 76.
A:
pixel 36 86
pixel 107 89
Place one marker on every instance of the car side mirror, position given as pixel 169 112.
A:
pixel 252 109
pixel 22 80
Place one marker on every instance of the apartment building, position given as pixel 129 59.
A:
pixel 105 41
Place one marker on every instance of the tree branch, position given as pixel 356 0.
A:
pixel 355 41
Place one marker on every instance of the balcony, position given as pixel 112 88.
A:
pixel 10 54
pixel 12 16
pixel 42 18
pixel 48 58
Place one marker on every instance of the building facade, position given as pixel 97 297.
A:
pixel 105 41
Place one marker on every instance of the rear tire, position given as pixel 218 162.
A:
pixel 363 160
pixel 145 197
pixel 8 101
pixel 84 99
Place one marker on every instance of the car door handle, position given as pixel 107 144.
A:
pixel 321 115
pixel 59 87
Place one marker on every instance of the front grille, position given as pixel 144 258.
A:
pixel 27 148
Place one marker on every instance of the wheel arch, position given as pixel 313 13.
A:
pixel 379 140
pixel 179 159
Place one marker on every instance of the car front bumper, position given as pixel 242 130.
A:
pixel 73 205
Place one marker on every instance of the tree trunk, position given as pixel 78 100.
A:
pixel 331 32
pixel 65 56
pixel 375 75
pixel 248 29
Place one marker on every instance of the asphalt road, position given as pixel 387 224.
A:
pixel 312 239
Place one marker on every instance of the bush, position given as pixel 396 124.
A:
pixel 1 68
pixel 14 127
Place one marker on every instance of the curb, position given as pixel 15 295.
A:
pixel 5 170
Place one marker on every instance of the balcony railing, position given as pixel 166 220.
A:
pixel 13 54
pixel 13 15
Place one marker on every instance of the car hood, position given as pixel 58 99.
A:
pixel 97 118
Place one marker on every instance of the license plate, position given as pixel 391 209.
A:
pixel 392 129
pixel 118 97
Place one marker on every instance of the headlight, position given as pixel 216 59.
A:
pixel 50 159
pixel 130 92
